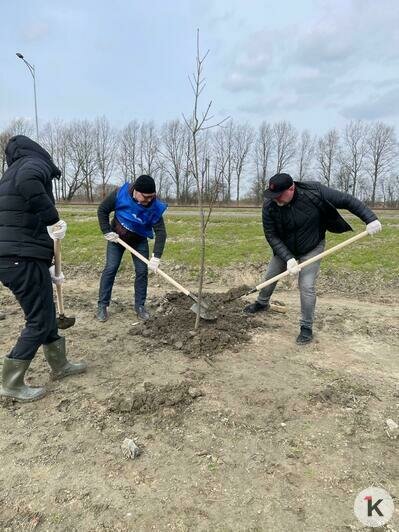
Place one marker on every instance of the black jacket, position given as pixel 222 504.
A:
pixel 108 205
pixel 297 228
pixel 27 201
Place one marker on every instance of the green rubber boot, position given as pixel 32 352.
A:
pixel 55 354
pixel 13 384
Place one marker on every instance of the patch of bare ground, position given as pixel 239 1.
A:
pixel 262 435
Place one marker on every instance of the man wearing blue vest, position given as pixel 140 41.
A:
pixel 137 215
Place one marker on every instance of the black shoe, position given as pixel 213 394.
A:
pixel 142 313
pixel 102 313
pixel 305 336
pixel 255 307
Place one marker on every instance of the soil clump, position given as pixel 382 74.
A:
pixel 172 324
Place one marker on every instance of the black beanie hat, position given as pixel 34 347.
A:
pixel 144 184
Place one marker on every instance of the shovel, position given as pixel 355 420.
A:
pixel 307 262
pixel 63 321
pixel 204 310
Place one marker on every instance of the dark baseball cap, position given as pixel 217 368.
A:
pixel 278 184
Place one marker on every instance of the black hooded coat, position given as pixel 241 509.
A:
pixel 27 203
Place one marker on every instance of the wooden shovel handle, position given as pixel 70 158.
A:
pixel 313 259
pixel 161 273
pixel 57 269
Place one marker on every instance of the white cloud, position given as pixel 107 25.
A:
pixel 380 107
pixel 335 60
pixel 268 105
pixel 35 31
pixel 250 64
pixel 237 82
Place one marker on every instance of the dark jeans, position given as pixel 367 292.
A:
pixel 113 260
pixel 306 281
pixel 30 282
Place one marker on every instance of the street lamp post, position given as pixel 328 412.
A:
pixel 32 71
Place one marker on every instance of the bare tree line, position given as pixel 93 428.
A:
pixel 361 159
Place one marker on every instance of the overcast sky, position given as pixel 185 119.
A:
pixel 316 63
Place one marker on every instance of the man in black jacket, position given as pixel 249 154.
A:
pixel 296 216
pixel 29 223
pixel 138 214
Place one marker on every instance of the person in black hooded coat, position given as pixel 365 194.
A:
pixel 29 223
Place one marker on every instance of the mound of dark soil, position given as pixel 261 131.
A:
pixel 172 324
pixel 154 398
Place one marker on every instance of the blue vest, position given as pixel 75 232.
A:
pixel 135 217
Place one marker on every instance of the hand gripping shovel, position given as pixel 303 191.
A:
pixel 307 262
pixel 63 321
pixel 204 310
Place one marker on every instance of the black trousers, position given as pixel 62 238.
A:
pixel 30 282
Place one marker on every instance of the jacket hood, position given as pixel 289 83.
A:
pixel 21 146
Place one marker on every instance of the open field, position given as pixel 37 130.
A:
pixel 235 239
pixel 260 436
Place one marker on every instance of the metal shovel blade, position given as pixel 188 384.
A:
pixel 205 313
pixel 64 322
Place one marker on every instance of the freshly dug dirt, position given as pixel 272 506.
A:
pixel 236 292
pixel 154 398
pixel 173 324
